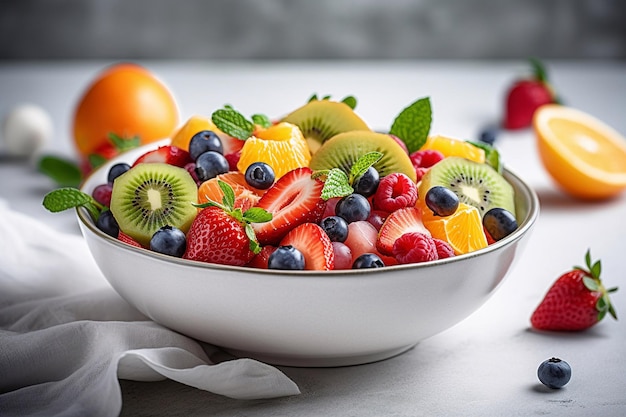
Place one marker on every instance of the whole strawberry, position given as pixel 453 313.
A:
pixel 576 301
pixel 527 95
pixel 222 234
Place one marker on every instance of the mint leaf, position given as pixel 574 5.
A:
pixel 229 195
pixel 412 125
pixel 64 172
pixel 254 244
pixel 261 120
pixel 350 101
pixel 123 144
pixel 66 198
pixel 336 185
pixel 232 123
pixel 363 163
pixel 257 215
pixel 492 156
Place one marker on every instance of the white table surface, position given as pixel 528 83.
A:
pixel 485 365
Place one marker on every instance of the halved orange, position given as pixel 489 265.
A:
pixel 281 146
pixel 583 155
pixel 245 196
pixel 454 147
pixel 463 230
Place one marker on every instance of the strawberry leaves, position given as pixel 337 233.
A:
pixel 592 282
pixel 252 215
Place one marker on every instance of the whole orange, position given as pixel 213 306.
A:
pixel 127 100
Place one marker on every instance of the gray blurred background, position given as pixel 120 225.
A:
pixel 312 29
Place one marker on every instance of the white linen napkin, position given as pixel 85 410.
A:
pixel 66 336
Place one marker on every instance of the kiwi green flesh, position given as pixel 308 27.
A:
pixel 319 120
pixel 343 150
pixel 475 184
pixel 152 195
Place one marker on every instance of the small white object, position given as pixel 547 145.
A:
pixel 25 129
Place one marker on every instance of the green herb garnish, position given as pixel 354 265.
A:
pixel 412 125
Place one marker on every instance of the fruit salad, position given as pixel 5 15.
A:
pixel 317 189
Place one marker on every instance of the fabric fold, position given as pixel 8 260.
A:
pixel 66 336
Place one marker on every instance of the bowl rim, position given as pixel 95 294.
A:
pixel 528 194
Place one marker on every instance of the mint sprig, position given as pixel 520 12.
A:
pixel 64 172
pixel 337 183
pixel 66 198
pixel 235 124
pixel 492 156
pixel 412 125
pixel 252 215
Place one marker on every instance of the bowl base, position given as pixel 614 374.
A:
pixel 320 361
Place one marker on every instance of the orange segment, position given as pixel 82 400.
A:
pixel 584 156
pixel 245 196
pixel 463 230
pixel 193 125
pixel 454 147
pixel 281 146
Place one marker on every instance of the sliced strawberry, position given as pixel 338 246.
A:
pixel 166 154
pixel 294 199
pixel 405 220
pixel 261 259
pixel 315 245
pixel 127 239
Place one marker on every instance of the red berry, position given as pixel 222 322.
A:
pixel 408 219
pixel 215 236
pixel 414 247
pixel 315 245
pixel 576 301
pixel 233 159
pixel 102 194
pixel 444 250
pixel 127 239
pixel 343 256
pixel 426 158
pixel 260 259
pixel 172 155
pixel 394 192
pixel 294 199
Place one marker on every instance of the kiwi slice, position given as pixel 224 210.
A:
pixel 474 183
pixel 152 195
pixel 343 150
pixel 319 120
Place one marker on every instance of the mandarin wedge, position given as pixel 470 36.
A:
pixel 585 157
pixel 454 147
pixel 281 146
pixel 463 230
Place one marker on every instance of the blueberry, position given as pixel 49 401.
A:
pixel 441 200
pixel 117 170
pixel 368 260
pixel 367 184
pixel 499 223
pixel 107 223
pixel 489 135
pixel 335 227
pixel 204 141
pixel 286 257
pixel 554 373
pixel 169 240
pixel 260 175
pixel 353 207
pixel 210 164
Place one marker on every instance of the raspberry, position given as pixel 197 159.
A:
pixel 444 250
pixel 414 247
pixel 423 160
pixel 426 158
pixel 394 192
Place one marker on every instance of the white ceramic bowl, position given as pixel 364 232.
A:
pixel 307 318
